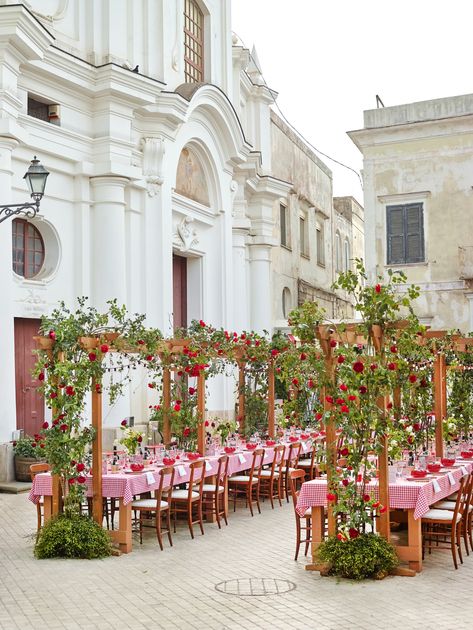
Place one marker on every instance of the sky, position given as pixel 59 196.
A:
pixel 328 59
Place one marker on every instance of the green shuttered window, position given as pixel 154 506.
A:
pixel 405 234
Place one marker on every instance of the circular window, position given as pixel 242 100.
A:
pixel 286 302
pixel 27 249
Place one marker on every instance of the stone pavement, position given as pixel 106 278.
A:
pixel 175 589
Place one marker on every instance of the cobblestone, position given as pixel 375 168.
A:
pixel 175 589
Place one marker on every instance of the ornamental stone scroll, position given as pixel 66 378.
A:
pixel 153 148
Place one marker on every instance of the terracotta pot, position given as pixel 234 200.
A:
pixel 111 336
pixel 44 343
pixel 89 343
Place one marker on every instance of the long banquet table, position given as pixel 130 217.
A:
pixel 124 487
pixel 415 497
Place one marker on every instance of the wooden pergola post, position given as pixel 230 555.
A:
pixel 271 399
pixel 201 413
pixel 166 405
pixel 241 395
pixel 440 400
pixel 97 502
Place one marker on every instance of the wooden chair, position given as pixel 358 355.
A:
pixel 449 504
pixel 157 506
pixel 438 525
pixel 214 493
pixel 246 485
pixel 311 466
pixel 291 465
pixel 303 523
pixel 34 470
pixel 186 501
pixel 272 476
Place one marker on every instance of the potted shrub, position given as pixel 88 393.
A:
pixel 25 454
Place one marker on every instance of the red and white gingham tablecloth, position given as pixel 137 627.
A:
pixel 128 485
pixel 416 495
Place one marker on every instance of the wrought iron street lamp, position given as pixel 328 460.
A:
pixel 36 177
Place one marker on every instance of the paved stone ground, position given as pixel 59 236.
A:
pixel 176 588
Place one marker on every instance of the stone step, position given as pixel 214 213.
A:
pixel 15 487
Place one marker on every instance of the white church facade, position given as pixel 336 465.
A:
pixel 156 131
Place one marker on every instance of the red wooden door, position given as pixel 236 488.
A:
pixel 179 277
pixel 29 404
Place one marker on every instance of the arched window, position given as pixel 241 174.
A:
pixel 346 255
pixel 193 42
pixel 286 302
pixel 338 252
pixel 27 248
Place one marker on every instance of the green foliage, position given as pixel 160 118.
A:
pixel 304 320
pixel 358 558
pixel 72 537
pixel 26 447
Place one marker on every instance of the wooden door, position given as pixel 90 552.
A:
pixel 29 404
pixel 179 276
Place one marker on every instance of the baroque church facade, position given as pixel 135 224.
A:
pixel 156 127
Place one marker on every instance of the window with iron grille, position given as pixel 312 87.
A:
pixel 320 242
pixel 27 249
pixel 405 234
pixel 193 42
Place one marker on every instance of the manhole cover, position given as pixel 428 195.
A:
pixel 255 587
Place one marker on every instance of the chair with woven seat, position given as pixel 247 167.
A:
pixel 214 493
pixel 448 504
pixel 35 469
pixel 303 523
pixel 292 461
pixel 272 476
pixel 439 524
pixel 159 506
pixel 247 485
pixel 188 500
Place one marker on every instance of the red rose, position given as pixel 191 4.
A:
pixel 73 462
pixel 352 397
pixel 104 348
pixel 319 416
pixel 359 477
pixel 373 367
pixel 98 388
pixel 149 357
pixel 80 467
pixel 341 537
pixel 344 452
pixel 192 391
pixel 202 323
pixel 352 532
pixel 366 497
pixel 92 356
pixel 412 378
pixel 340 358
pixel 343 387
pixel 71 481
pixel 52 335
pixel 389 405
pixel 303 356
pixel 331 496
pixel 393 349
pixel 333 343
pixel 186 432
pixel 344 409
pixel 63 427
pixel 45 425
pixel 310 384
pixel 329 399
pixel 70 390
pixel 124 423
pixel 206 423
pixel 358 366
pixel 376 504
pixel 53 395
pixel 345 482
pixel 416 426
pixel 33 444
pixel 42 446
pixel 177 407
pixel 410 439
pixel 383 509
pixel 139 439
pixel 81 479
pixel 274 352
pixel 340 401
pixel 378 288
pixel 41 376
pixel 392 366
pixel 140 342
pixel 151 385
pixel 423 383
pixel 295 381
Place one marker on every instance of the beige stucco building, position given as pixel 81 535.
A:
pixel 418 200
pixel 317 235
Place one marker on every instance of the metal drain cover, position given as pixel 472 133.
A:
pixel 255 587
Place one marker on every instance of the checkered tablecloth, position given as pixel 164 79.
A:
pixel 128 485
pixel 404 494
